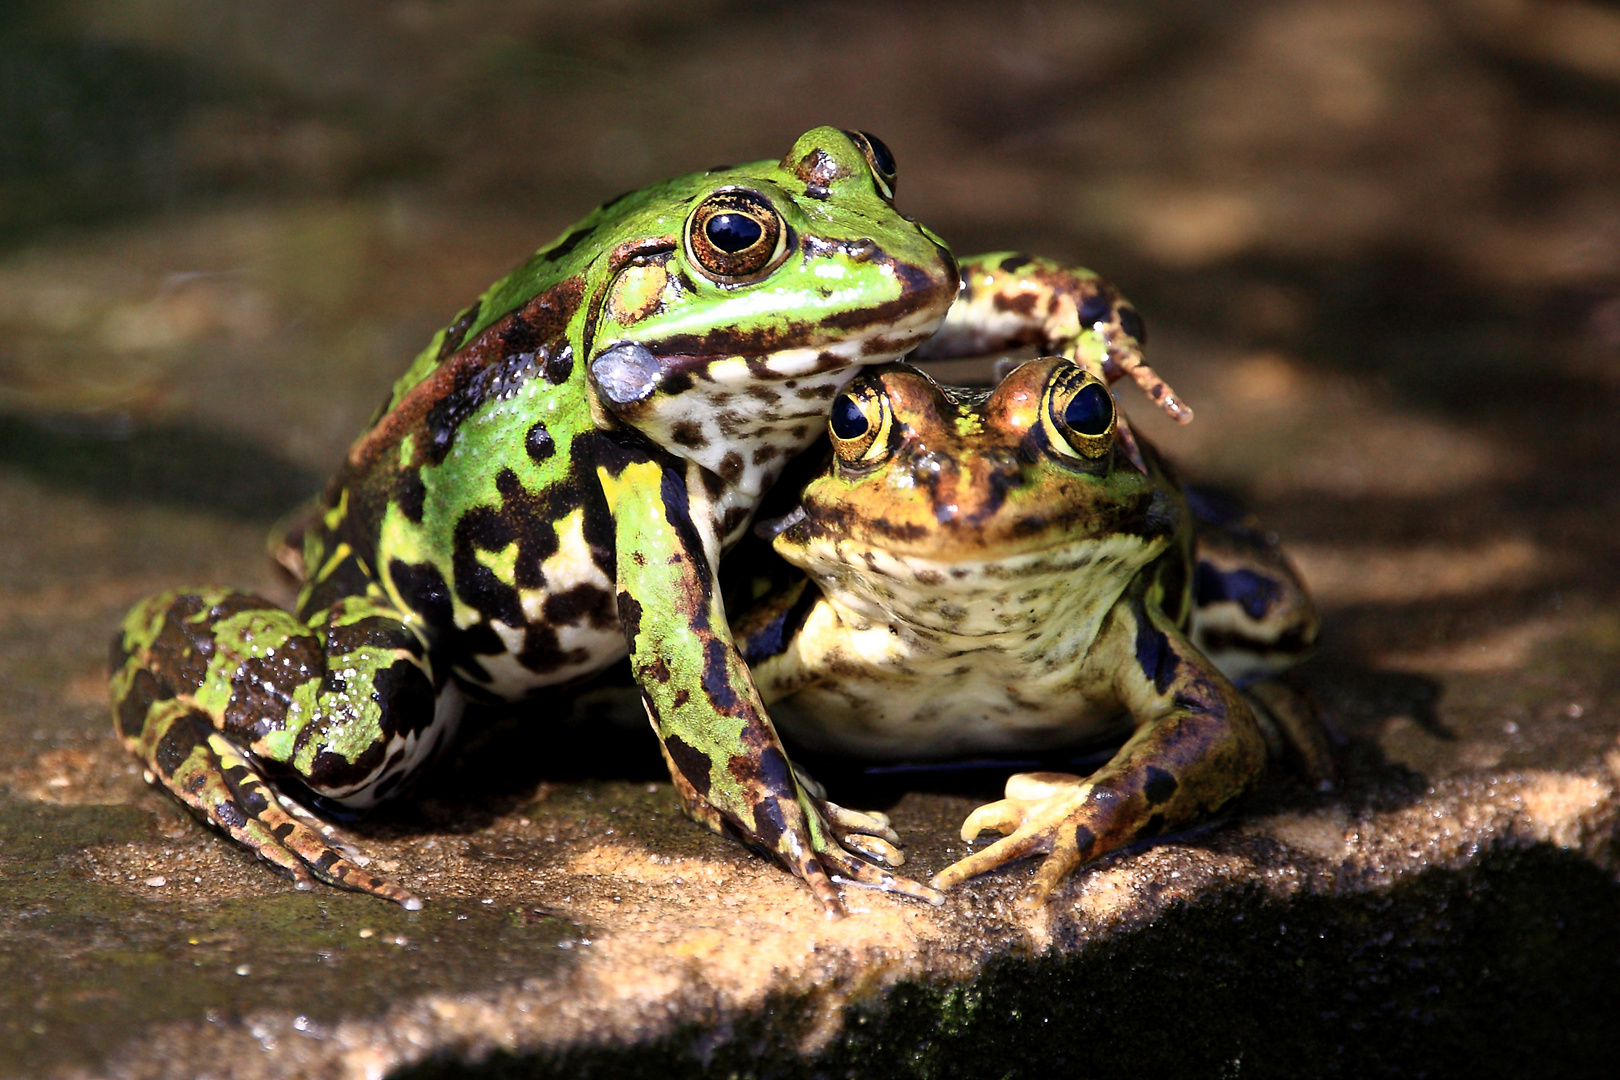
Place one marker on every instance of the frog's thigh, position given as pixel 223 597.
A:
pixel 208 684
pixel 1195 749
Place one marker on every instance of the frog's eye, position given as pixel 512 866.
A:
pixel 734 235
pixel 1081 418
pixel 860 425
pixel 879 158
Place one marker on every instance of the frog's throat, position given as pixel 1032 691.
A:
pixel 1006 599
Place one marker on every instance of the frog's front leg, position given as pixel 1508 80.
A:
pixel 212 688
pixel 1009 300
pixel 723 753
pixel 1195 749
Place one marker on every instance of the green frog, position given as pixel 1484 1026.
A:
pixel 550 486
pixel 1000 572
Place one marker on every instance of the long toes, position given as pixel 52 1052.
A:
pixel 1031 786
pixel 810 871
pixel 855 821
pixel 998 854
pixel 1002 817
pixel 851 870
pixel 875 848
pixel 1054 868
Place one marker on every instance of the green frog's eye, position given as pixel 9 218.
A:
pixel 734 235
pixel 860 425
pixel 1080 417
pixel 879 158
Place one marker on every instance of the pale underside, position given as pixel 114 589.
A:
pixel 904 657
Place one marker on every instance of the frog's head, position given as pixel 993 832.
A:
pixel 936 489
pixel 758 286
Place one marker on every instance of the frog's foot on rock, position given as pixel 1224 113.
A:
pixel 217 781
pixel 1043 813
pixel 1290 723
pixel 869 833
pixel 831 864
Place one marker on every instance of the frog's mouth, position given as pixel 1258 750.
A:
pixel 631 375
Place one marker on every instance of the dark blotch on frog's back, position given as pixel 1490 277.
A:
pixel 1014 263
pixel 262 686
pixel 423 589
pixel 410 495
pixel 1254 593
pixel 537 444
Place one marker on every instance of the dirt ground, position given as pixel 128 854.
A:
pixel 1377 246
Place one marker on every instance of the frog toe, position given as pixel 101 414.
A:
pixel 209 774
pixel 846 869
pixel 875 848
pixel 1022 843
pixel 848 824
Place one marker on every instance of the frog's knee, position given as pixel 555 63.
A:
pixel 412 726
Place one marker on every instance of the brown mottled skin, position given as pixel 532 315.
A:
pixel 987 577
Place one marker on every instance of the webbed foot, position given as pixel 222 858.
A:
pixel 218 782
pixel 1043 813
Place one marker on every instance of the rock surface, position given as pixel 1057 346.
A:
pixel 1388 279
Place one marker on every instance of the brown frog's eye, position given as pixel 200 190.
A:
pixel 880 160
pixel 860 424
pixel 734 235
pixel 1080 414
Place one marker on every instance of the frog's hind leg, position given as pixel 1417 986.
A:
pixel 1295 729
pixel 1196 748
pixel 213 688
pixel 220 784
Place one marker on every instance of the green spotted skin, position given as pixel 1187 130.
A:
pixel 1000 572
pixel 550 486
pixel 618 402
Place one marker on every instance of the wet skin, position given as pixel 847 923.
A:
pixel 550 486
pixel 999 572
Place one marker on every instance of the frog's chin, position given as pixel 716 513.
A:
pixel 1003 599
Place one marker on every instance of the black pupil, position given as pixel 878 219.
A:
pixel 882 159
pixel 848 422
pixel 1091 411
pixel 732 233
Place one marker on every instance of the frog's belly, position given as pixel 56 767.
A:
pixel 948 707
